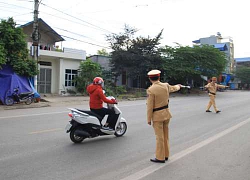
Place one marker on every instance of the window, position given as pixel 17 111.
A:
pixel 70 75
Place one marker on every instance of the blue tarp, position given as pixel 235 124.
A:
pixel 227 78
pixel 10 80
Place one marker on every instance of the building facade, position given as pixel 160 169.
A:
pixel 224 44
pixel 57 67
pixel 104 61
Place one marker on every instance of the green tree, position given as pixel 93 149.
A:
pixel 120 43
pixel 184 62
pixel 243 73
pixel 2 56
pixel 13 49
pixel 136 56
pixel 88 71
pixel 103 52
pixel 210 61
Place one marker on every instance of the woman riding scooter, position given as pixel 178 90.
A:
pixel 97 98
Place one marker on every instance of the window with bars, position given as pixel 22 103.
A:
pixel 70 75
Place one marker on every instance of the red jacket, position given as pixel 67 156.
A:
pixel 97 97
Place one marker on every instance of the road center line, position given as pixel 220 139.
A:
pixel 45 131
pixel 60 112
pixel 155 167
pixel 28 115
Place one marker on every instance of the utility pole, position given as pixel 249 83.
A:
pixel 35 38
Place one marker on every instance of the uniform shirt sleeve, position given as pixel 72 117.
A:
pixel 103 97
pixel 150 105
pixel 174 88
pixel 208 85
pixel 221 86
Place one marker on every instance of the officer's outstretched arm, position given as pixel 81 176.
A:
pixel 174 88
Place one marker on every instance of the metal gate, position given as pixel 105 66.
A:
pixel 44 80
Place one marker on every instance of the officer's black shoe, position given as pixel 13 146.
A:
pixel 166 158
pixel 218 111
pixel 208 111
pixel 157 161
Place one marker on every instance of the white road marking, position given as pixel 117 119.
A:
pixel 60 112
pixel 45 131
pixel 155 167
pixel 28 115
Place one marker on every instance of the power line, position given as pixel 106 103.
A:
pixel 66 19
pixel 91 25
pixel 25 0
pixel 15 5
pixel 73 33
pixel 85 42
pixel 77 18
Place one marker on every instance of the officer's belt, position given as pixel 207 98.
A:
pixel 212 93
pixel 160 108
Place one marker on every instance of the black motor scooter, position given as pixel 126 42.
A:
pixel 17 97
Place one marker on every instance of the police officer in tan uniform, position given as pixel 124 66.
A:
pixel 158 113
pixel 212 88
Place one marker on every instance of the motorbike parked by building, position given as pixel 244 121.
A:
pixel 86 124
pixel 17 97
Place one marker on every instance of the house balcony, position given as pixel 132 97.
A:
pixel 66 53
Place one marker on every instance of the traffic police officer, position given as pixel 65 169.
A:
pixel 212 88
pixel 158 113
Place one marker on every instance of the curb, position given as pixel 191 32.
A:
pixel 24 106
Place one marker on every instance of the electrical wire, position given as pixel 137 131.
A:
pixel 89 24
pixel 85 42
pixel 73 33
pixel 15 5
pixel 78 18
pixel 66 19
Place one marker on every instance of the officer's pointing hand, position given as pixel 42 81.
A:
pixel 149 123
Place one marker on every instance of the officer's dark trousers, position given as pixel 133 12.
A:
pixel 112 118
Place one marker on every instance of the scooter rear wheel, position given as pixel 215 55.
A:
pixel 74 138
pixel 29 101
pixel 121 129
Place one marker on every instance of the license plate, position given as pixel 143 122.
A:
pixel 68 126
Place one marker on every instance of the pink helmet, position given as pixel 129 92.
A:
pixel 98 80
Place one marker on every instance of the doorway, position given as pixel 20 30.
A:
pixel 44 80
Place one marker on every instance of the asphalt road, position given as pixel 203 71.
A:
pixel 206 146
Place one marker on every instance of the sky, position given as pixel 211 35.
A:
pixel 84 24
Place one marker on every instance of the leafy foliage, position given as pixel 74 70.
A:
pixel 88 71
pixel 136 56
pixel 103 52
pixel 182 63
pixel 13 49
pixel 2 56
pixel 243 73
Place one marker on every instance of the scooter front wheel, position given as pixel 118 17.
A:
pixel 9 101
pixel 121 129
pixel 74 138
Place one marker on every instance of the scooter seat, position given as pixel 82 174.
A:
pixel 25 94
pixel 91 113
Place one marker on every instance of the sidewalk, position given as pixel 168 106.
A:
pixel 57 101
pixel 49 100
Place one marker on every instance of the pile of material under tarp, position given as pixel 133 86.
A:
pixel 9 80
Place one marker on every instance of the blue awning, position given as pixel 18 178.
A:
pixel 246 59
pixel 196 41
pixel 221 46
